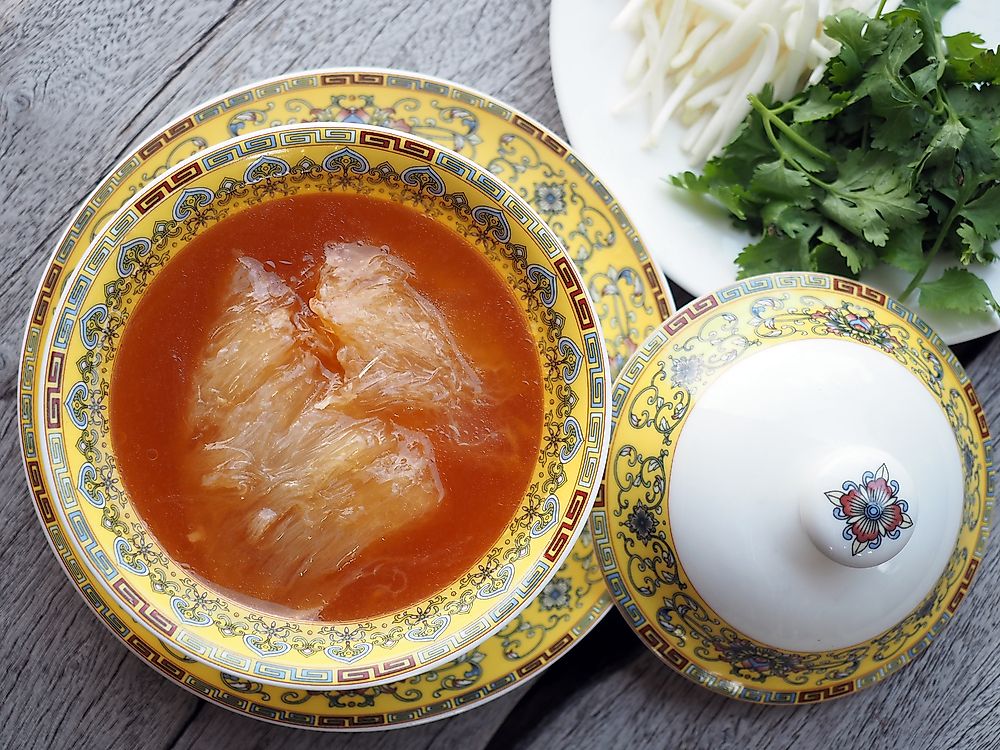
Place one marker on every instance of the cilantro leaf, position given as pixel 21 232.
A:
pixel 937 7
pixel 982 227
pixel 969 61
pixel 811 132
pixel 773 252
pixel 951 136
pixel 736 164
pixel 775 180
pixel 963 49
pixel 883 82
pixel 986 69
pixel 905 248
pixel 790 219
pixel 820 103
pixel 861 38
pixel 977 108
pixel 984 213
pixel 895 132
pixel 925 79
pixel 939 157
pixel 826 259
pixel 856 254
pixel 732 197
pixel 958 290
pixel 869 197
pixel 973 246
pixel 934 48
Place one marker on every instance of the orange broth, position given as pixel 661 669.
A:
pixel 161 347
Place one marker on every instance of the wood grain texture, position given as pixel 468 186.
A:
pixel 80 84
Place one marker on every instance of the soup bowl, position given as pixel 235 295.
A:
pixel 81 472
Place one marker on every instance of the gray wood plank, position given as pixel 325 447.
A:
pixel 61 122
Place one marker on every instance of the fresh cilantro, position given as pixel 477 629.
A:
pixel 959 290
pixel 981 227
pixel 862 39
pixel 905 249
pixel 937 8
pixel 870 197
pixel 773 252
pixel 775 180
pixel 856 255
pixel 893 157
pixel 820 103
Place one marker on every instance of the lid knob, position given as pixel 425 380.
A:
pixel 859 508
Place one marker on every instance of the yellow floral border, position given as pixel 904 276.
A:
pixel 159 221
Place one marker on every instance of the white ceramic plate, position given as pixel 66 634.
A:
pixel 695 246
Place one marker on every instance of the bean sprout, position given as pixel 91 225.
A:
pixel 698 60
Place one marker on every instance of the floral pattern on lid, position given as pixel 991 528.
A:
pixel 872 510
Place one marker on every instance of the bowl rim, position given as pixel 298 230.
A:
pixel 513 196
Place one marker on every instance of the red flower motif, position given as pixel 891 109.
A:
pixel 858 323
pixel 873 510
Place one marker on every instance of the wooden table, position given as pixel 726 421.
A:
pixel 80 83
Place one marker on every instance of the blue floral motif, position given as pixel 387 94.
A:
pixel 642 523
pixel 264 168
pixel 686 372
pixel 550 198
pixel 555 595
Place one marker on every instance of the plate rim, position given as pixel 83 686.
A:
pixel 147 137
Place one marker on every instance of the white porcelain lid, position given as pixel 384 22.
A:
pixel 798 490
pixel 783 510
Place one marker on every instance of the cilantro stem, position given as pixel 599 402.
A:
pixel 769 132
pixel 881 6
pixel 938 241
pixel 769 116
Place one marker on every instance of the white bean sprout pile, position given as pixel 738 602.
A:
pixel 698 60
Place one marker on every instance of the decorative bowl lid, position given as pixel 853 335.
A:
pixel 798 489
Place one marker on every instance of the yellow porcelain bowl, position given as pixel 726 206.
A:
pixel 77 464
